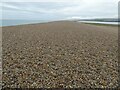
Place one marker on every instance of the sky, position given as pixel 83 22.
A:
pixel 58 9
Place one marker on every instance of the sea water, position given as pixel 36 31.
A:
pixel 22 22
pixel 98 22
pixel 19 22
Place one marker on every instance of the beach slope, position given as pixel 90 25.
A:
pixel 60 54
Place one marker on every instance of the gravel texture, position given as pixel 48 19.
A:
pixel 60 54
pixel 0 57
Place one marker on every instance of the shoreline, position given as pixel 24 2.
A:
pixel 101 24
pixel 86 22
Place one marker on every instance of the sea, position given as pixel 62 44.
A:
pixel 99 22
pixel 20 22
pixel 23 22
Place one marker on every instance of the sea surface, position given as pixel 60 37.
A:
pixel 19 22
pixel 22 22
pixel 99 22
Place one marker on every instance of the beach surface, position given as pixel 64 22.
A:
pixel 0 57
pixel 60 54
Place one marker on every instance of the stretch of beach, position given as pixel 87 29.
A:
pixel 60 54
pixel 0 57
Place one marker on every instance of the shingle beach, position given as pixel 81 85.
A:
pixel 61 54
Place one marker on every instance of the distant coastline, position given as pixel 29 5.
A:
pixel 100 22
pixel 7 22
pixel 20 22
pixel 109 21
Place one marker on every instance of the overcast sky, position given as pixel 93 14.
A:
pixel 58 9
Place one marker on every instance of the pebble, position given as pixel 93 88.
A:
pixel 50 57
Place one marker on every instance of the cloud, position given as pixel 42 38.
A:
pixel 58 9
pixel 88 1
